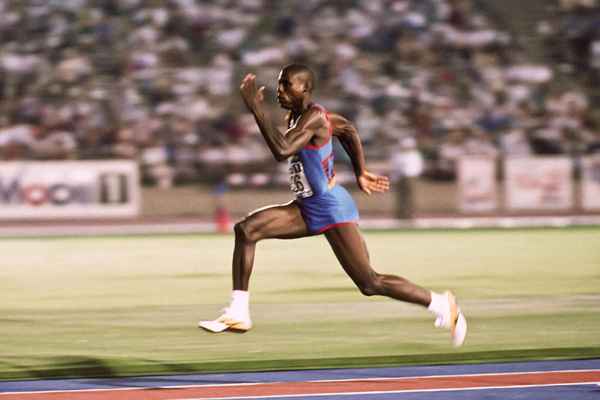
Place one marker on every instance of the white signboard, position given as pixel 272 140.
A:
pixel 69 189
pixel 538 183
pixel 477 184
pixel 590 183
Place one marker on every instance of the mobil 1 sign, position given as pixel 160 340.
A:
pixel 69 189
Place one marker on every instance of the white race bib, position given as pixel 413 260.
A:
pixel 298 182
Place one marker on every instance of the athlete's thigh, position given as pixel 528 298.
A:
pixel 282 221
pixel 351 251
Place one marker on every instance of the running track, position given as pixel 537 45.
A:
pixel 548 380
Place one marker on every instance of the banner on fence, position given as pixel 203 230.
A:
pixel 69 189
pixel 477 184
pixel 542 183
pixel 590 183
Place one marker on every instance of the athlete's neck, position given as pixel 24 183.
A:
pixel 298 111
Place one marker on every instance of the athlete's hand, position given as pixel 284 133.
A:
pixel 370 183
pixel 252 97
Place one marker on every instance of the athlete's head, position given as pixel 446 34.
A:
pixel 294 86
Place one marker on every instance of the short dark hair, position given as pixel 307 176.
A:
pixel 308 75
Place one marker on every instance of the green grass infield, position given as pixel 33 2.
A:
pixel 116 306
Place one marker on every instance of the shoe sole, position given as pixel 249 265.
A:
pixel 455 315
pixel 238 330
pixel 461 327
pixel 238 327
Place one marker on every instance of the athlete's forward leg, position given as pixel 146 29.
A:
pixel 273 222
pixel 351 251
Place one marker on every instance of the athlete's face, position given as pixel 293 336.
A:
pixel 290 90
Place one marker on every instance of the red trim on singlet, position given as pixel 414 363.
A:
pixel 325 167
pixel 328 227
pixel 329 129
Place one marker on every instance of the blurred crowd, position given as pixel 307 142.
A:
pixel 157 81
pixel 572 38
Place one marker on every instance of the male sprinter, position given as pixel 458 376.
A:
pixel 321 205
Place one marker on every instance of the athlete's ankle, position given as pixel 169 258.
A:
pixel 240 302
pixel 439 304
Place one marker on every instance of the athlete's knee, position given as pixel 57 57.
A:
pixel 245 231
pixel 373 285
pixel 242 230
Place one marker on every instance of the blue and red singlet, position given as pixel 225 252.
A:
pixel 323 204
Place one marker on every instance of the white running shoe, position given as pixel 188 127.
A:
pixel 459 333
pixel 228 321
pixel 454 320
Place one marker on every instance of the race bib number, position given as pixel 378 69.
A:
pixel 298 182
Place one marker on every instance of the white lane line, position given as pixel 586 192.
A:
pixel 285 396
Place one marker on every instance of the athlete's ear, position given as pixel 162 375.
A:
pixel 260 95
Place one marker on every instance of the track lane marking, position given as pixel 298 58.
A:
pixel 331 388
pixel 393 391
pixel 372 379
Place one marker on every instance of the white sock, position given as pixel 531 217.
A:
pixel 439 304
pixel 240 301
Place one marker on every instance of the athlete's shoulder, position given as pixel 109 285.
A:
pixel 338 119
pixel 318 108
pixel 314 118
pixel 322 111
pixel 340 125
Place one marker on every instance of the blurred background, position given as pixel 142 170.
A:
pixel 123 117
pixel 470 106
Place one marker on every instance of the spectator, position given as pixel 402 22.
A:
pixel 157 82
pixel 407 165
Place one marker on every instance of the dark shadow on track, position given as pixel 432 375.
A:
pixel 64 366
pixel 88 367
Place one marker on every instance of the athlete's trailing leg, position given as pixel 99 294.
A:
pixel 351 251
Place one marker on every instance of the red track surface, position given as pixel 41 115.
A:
pixel 323 387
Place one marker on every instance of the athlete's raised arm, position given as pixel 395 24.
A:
pixel 281 145
pixel 350 140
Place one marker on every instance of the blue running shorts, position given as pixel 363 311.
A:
pixel 324 211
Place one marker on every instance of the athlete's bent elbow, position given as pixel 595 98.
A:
pixel 281 155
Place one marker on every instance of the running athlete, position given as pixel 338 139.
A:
pixel 320 206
